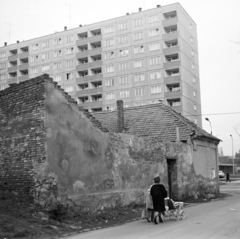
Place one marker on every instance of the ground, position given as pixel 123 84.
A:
pixel 24 219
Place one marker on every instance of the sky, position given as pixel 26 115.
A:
pixel 218 26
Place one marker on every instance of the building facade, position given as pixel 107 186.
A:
pixel 141 58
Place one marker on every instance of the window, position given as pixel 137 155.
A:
pixel 124 94
pixel 57 78
pixel 111 107
pixel 45 56
pixel 172 72
pixel 2 87
pixel 153 32
pixel 109 55
pixel 172 57
pixel 69 76
pixel 57 65
pixel 109 82
pixel 139 91
pixel 2 77
pixel 122 26
pixel 123 80
pixel 33 70
pixel 34 58
pixel 193 66
pixel 3 54
pixel 172 87
pixel 3 65
pixel 69 63
pixel 138 22
pixel 138 49
pixel 109 29
pixel 124 52
pixel 123 66
pixel 45 44
pixel 137 36
pixel 155 75
pixel 154 18
pixel 109 42
pixel 57 53
pixel 193 79
pixel 191 27
pixel 139 77
pixel 69 88
pixel 155 89
pixel 57 41
pixel 169 15
pixel 123 39
pixel 109 69
pixel 171 43
pixel 138 63
pixel 154 46
pixel 174 102
pixel 45 68
pixel 110 96
pixel 194 93
pixel 192 53
pixel 155 60
pixel 69 38
pixel 34 47
pixel 191 40
pixel 69 50
pixel 195 107
pixel 170 29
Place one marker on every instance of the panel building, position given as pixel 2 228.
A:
pixel 141 58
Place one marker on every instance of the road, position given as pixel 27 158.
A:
pixel 217 219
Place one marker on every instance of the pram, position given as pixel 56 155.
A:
pixel 174 210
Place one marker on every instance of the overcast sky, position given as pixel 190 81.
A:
pixel 218 24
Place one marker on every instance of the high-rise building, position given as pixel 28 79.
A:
pixel 142 58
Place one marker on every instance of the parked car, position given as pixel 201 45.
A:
pixel 221 174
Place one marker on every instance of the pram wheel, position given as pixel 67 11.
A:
pixel 182 215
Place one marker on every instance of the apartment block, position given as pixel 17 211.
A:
pixel 141 58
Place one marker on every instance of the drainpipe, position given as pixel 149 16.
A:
pixel 120 116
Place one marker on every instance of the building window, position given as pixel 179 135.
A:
pixel 191 40
pixel 155 89
pixel 57 53
pixel 195 107
pixel 109 69
pixel 138 63
pixel 122 26
pixel 57 78
pixel 108 29
pixel 155 60
pixel 69 50
pixel 153 32
pixel 45 56
pixel 70 38
pixel 155 75
pixel 45 68
pixel 57 41
pixel 193 79
pixel 109 42
pixel 34 47
pixel 124 94
pixel 174 102
pixel 3 65
pixel 45 44
pixel 138 49
pixel 124 52
pixel 138 22
pixel 69 63
pixel 194 93
pixel 191 27
pixel 2 77
pixel 110 96
pixel 57 65
pixel 34 58
pixel 193 66
pixel 109 55
pixel 69 76
pixel 137 36
pixel 172 87
pixel 123 39
pixel 3 54
pixel 123 66
pixel 34 70
pixel 123 80
pixel 192 53
pixel 139 91
pixel 154 18
pixel 69 88
pixel 3 87
pixel 109 82
pixel 154 46
pixel 139 77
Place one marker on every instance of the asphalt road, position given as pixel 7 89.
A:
pixel 217 219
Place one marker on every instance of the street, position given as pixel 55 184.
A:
pixel 217 219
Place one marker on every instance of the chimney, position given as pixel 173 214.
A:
pixel 127 13
pixel 65 28
pixel 120 116
pixel 158 6
pixel 140 9
pixel 17 41
pixel 5 43
pixel 80 25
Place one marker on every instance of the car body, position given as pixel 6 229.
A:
pixel 221 174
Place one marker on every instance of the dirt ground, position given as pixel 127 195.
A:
pixel 24 219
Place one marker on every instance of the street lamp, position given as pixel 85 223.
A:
pixel 232 153
pixel 207 119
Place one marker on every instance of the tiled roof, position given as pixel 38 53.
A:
pixel 155 120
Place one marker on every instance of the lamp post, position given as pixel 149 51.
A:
pixel 232 153
pixel 207 119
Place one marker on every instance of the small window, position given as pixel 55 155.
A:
pixel 154 46
pixel 122 26
pixel 137 36
pixel 109 55
pixel 123 66
pixel 192 53
pixel 124 52
pixel 123 80
pixel 154 18
pixel 69 76
pixel 195 107
pixel 139 77
pixel 138 63
pixel 153 32
pixel 110 96
pixel 124 94
pixel 3 54
pixel 191 40
pixel 193 79
pixel 155 89
pixel 109 42
pixel 109 68
pixel 138 49
pixel 155 60
pixel 193 67
pixel 109 82
pixel 123 39
pixel 155 75
pixel 138 22
pixel 109 29
pixel 139 91
pixel 194 93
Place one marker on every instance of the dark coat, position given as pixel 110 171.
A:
pixel 158 193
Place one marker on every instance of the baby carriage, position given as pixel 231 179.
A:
pixel 174 210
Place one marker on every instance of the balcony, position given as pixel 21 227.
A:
pixel 23 66
pixel 172 94
pixel 96 38
pixel 12 68
pixel 96 64
pixel 23 55
pixel 170 22
pixel 170 15
pixel 82 41
pixel 82 87
pixel 89 78
pixel 172 79
pixel 172 72
pixel 23 78
pixel 175 103
pixel 82 66
pixel 12 58
pixel 96 51
pixel 172 60
pixel 170 33
pixel 12 80
pixel 82 53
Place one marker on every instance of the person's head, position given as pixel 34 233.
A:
pixel 157 179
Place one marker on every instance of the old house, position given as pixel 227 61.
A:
pixel 55 152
